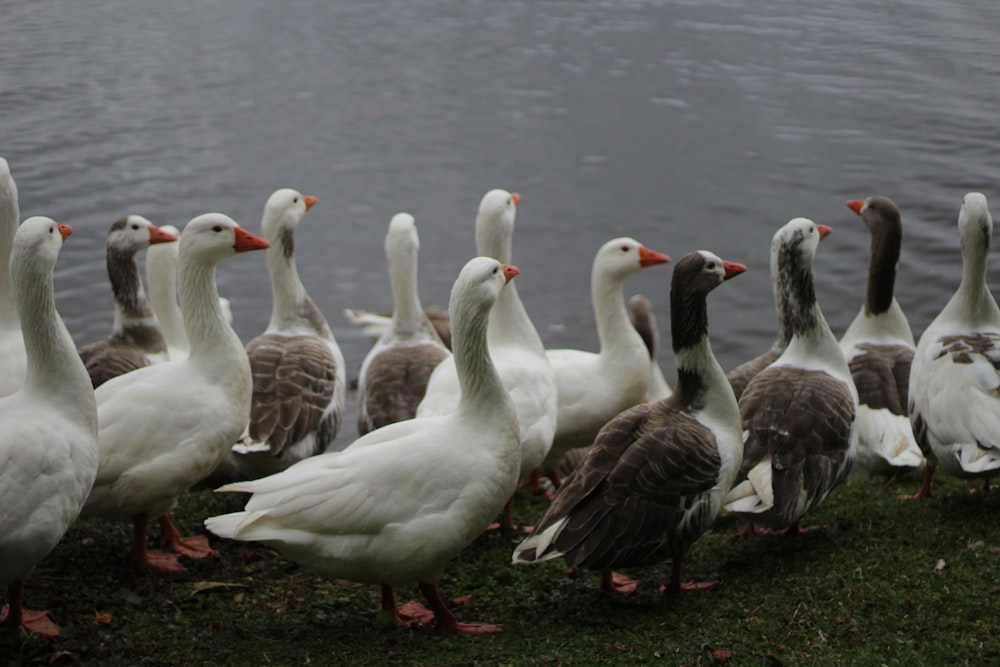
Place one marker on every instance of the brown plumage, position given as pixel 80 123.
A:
pixel 882 376
pixel 396 380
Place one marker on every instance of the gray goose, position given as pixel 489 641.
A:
pixel 654 479
pixel 394 373
pixel 298 368
pixel 878 346
pixel 799 413
pixel 135 339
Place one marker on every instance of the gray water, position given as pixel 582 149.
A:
pixel 685 124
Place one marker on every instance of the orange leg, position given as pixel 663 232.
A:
pixel 195 546
pixel 925 487
pixel 446 620
pixel 676 585
pixel 145 557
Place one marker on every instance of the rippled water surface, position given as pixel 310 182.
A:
pixel 684 124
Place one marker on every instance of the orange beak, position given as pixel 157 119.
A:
pixel 649 257
pixel 157 235
pixel 310 201
pixel 856 205
pixel 64 230
pixel 509 272
pixel 516 197
pixel 245 241
pixel 733 269
pixel 824 231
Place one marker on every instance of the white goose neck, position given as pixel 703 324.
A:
pixel 9 219
pixel 212 341
pixel 615 332
pixel 973 302
pixel 291 307
pixel 161 274
pixel 55 371
pixel 702 384
pixel 131 305
pixel 482 392
pixel 408 317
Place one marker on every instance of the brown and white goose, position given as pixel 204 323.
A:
pixel 135 339
pixel 298 368
pixel 394 373
pixel 654 479
pixel 799 414
pixel 13 362
pixel 878 346
pixel 955 376
pixel 48 427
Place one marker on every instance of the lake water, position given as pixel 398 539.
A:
pixel 685 124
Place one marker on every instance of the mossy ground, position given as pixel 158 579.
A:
pixel 886 582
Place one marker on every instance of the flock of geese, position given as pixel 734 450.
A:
pixel 456 413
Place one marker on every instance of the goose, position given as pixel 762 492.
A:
pixel 878 346
pixel 653 481
pixel 48 427
pixel 640 314
pixel 135 340
pixel 799 414
pixel 401 501
pixel 954 405
pixel 13 362
pixel 161 279
pixel 594 387
pixel 298 369
pixel 394 373
pixel 165 427
pixel 516 348
pixel 375 325
pixel 740 376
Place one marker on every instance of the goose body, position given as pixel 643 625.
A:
pixel 396 505
pixel 878 347
pixel 13 362
pixel 394 373
pixel 165 427
pixel 593 387
pixel 654 479
pixel 954 379
pixel 48 427
pixel 135 339
pixel 298 369
pixel 798 414
pixel 515 347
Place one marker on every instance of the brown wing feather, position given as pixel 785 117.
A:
pixel 293 383
pixel 395 383
pixel 882 375
pixel 801 419
pixel 640 495
pixel 740 376
pixel 105 360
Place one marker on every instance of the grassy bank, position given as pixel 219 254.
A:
pixel 887 582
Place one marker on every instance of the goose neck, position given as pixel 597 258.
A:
pixel 614 330
pixel 407 314
pixel 509 322
pixel 882 263
pixel 131 304
pixel 287 290
pixel 481 388
pixel 161 273
pixel 209 336
pixel 55 370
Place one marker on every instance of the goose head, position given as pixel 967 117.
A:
pixel 401 239
pixel 133 233
pixel 282 213
pixel 700 272
pixel 211 237
pixel 975 224
pixel 623 256
pixel 495 223
pixel 38 239
pixel 480 282
pixel 793 246
pixel 880 214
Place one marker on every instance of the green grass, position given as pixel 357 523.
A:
pixel 887 582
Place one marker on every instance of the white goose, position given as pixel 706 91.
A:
pixel 654 479
pixel 515 346
pixel 799 414
pixel 878 346
pixel 135 339
pixel 954 405
pixel 48 428
pixel 13 362
pixel 165 427
pixel 640 314
pixel 400 502
pixel 394 373
pixel 298 368
pixel 594 387
pixel 161 279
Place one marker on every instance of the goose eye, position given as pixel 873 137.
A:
pixel 217 228
pixel 495 269
pixel 51 229
pixel 135 226
pixel 710 266
pixel 295 201
pixel 624 248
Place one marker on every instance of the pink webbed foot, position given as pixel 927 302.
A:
pixel 36 622
pixel 196 546
pixel 619 584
